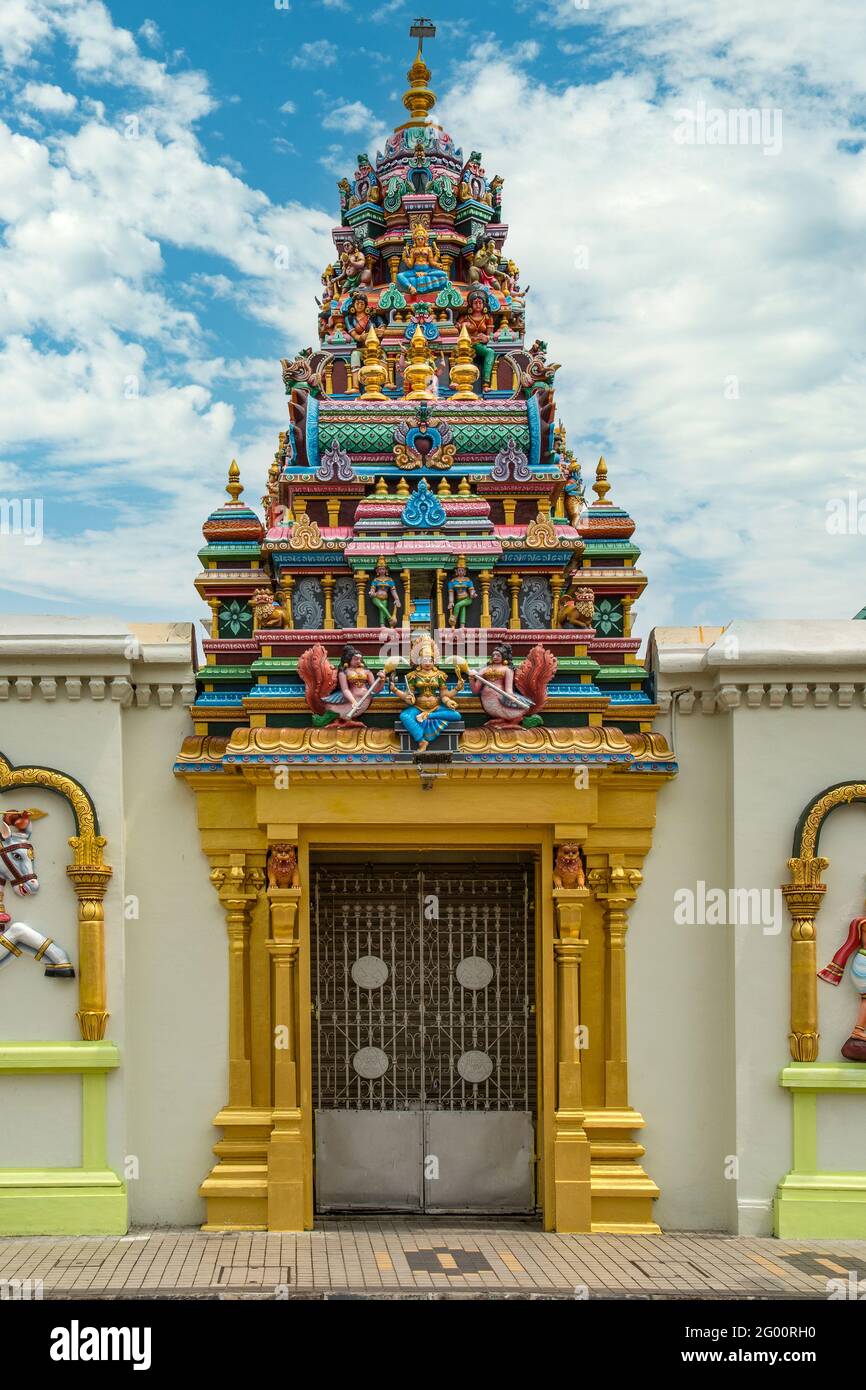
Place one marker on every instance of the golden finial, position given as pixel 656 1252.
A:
pixel 464 490
pixel 463 370
pixel 601 487
pixel 374 373
pixel 419 370
pixel 419 100
pixel 234 487
pixel 403 490
pixel 444 488
pixel 381 491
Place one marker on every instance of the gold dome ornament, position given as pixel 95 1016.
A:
pixel 601 486
pixel 463 369
pixel 419 370
pixel 374 373
pixel 234 487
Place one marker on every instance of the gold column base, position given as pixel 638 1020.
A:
pixel 236 1189
pixel 93 1025
pixel 572 1183
pixel 286 1165
pixel 622 1193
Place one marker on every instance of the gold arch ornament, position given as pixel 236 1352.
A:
pixel 804 895
pixel 89 875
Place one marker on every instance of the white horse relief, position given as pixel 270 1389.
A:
pixel 18 871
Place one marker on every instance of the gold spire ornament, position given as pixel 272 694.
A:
pixel 463 370
pixel 234 487
pixel 419 100
pixel 419 371
pixel 601 487
pixel 374 373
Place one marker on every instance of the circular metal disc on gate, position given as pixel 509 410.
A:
pixel 474 972
pixel 369 972
pixel 371 1063
pixel 474 1067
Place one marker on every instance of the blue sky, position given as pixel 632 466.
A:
pixel 699 277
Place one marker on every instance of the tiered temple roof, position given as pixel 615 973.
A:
pixel 423 446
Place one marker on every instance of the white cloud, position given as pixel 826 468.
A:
pixel 288 108
pixel 350 116
pixel 44 96
pixel 706 304
pixel 149 31
pixel 321 53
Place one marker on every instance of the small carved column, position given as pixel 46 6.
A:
pixel 285 1148
pixel 328 592
pixel 393 267
pixel 804 895
pixel 615 887
pixel 556 583
pixel 333 506
pixel 485 577
pixel 514 583
pixel 360 577
pixel 627 601
pixel 440 600
pixel 406 576
pixel 90 877
pixel 238 889
pixel 572 1167
pixel 214 606
pixel 287 584
pixel 509 507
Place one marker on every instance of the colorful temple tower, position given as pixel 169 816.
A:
pixel 423 750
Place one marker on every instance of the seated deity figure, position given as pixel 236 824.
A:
pixel 424 271
pixel 382 592
pixel 461 592
pixel 479 324
pixel 429 708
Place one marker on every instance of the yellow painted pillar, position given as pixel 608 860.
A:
pixel 328 592
pixel 572 1152
pixel 514 583
pixel 440 599
pixel 509 507
pixel 287 584
pixel 286 1145
pixel 406 576
pixel 90 877
pixel 238 888
pixel 485 577
pixel 556 584
pixel 615 887
pixel 333 506
pixel 361 577
pixel 804 895
pixel 214 606
pixel 299 507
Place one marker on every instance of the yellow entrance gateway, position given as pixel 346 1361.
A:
pixel 423 759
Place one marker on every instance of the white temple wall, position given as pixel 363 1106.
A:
pixel 708 1004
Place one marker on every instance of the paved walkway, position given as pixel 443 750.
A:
pixel 393 1258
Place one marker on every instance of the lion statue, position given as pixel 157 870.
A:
pixel 568 870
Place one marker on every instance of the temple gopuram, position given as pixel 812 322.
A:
pixel 423 753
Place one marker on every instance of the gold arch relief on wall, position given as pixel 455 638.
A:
pixel 804 895
pixel 89 875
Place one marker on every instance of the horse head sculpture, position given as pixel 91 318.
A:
pixel 18 871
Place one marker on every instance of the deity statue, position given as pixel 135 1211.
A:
pixel 425 271
pixel 359 323
pixel 572 490
pixel 461 592
pixel 382 592
pixel 577 605
pixel 478 321
pixel 429 708
pixel 512 697
pixel 484 266
pixel 343 694
pixel 854 951
pixel 355 269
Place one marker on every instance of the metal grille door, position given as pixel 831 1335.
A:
pixel 424 1038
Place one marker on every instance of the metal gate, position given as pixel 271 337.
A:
pixel 424 1066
